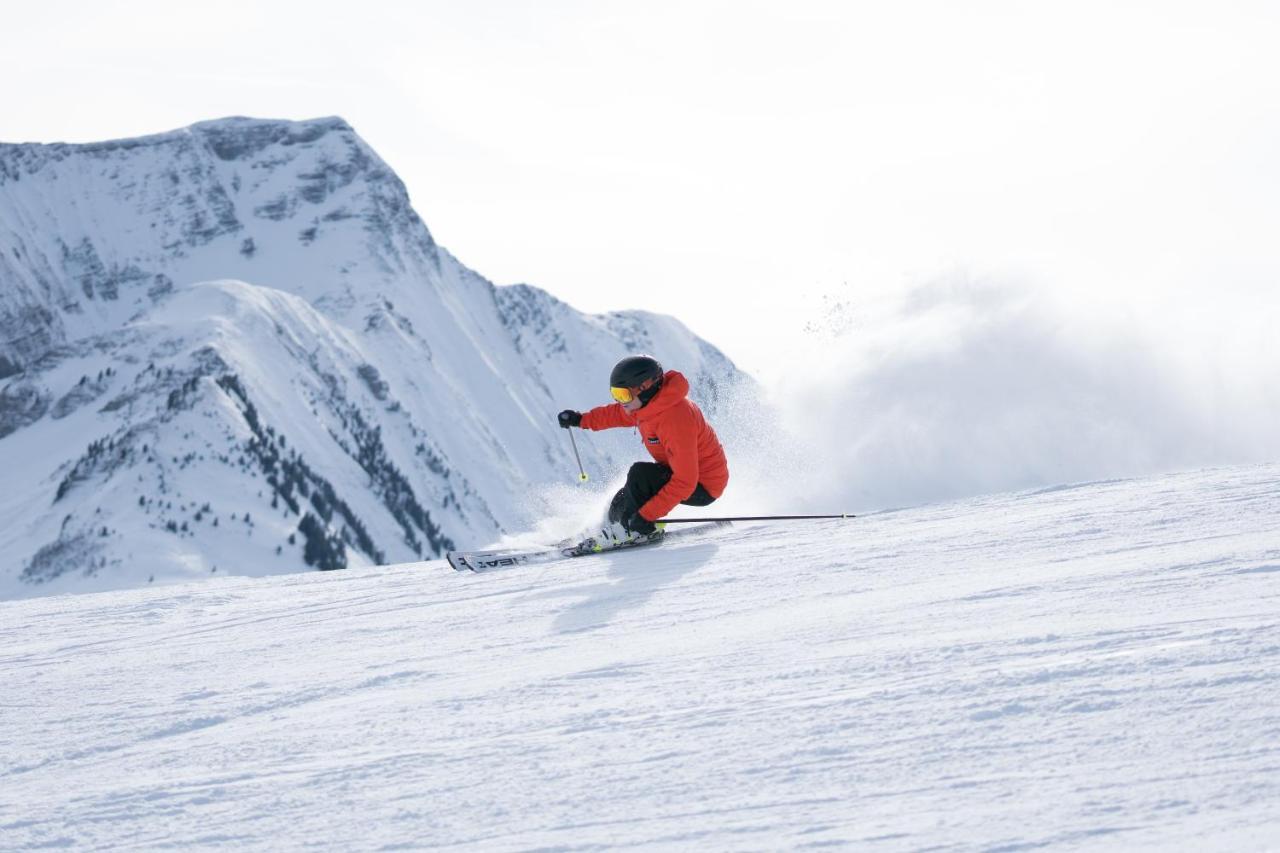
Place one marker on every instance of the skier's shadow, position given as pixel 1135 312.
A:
pixel 636 580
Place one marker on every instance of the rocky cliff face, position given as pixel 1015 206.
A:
pixel 238 344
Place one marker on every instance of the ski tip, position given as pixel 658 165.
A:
pixel 458 561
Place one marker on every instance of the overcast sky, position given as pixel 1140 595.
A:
pixel 737 164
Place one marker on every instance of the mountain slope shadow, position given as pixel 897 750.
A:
pixel 637 581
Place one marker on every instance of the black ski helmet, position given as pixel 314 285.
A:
pixel 638 371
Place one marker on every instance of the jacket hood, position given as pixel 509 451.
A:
pixel 674 389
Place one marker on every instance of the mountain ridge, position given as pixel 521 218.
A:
pixel 150 286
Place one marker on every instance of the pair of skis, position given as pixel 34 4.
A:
pixel 488 561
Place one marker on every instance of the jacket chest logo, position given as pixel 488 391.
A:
pixel 651 439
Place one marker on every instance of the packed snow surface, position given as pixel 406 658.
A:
pixel 1090 666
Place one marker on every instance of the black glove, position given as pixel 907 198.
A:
pixel 569 418
pixel 637 523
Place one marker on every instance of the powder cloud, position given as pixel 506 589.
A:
pixel 965 386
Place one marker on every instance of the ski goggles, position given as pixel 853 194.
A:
pixel 627 395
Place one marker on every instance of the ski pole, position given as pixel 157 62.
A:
pixel 752 518
pixel 582 473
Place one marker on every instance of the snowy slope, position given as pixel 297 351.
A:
pixel 1093 666
pixel 225 321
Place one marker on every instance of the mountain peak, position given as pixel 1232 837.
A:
pixel 239 137
pixel 237 344
pixel 263 131
pixel 326 123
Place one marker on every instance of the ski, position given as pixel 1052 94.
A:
pixel 487 561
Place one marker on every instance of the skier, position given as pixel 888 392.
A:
pixel 689 464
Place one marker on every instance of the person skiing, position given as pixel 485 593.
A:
pixel 689 465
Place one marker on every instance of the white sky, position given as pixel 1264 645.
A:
pixel 731 162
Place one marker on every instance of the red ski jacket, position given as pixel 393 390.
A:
pixel 676 435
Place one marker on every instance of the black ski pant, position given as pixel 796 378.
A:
pixel 644 480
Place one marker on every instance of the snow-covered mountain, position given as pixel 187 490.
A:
pixel 237 347
pixel 1090 667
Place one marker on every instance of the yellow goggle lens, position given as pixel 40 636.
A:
pixel 622 395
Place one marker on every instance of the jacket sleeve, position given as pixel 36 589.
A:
pixel 606 417
pixel 680 438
